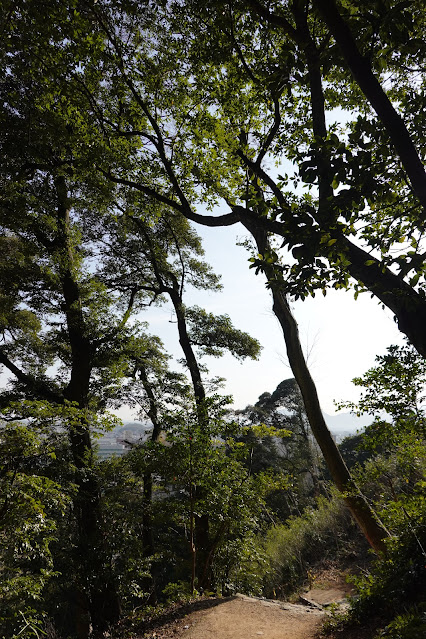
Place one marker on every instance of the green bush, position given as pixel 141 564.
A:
pixel 33 509
pixel 411 625
pixel 294 548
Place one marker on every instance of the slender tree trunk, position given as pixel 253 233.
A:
pixel 200 542
pixel 360 509
pixel 190 357
pixel 372 528
pixel 147 531
pixel 200 537
pixel 147 523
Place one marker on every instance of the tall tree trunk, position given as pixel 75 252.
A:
pixel 102 599
pixel 147 532
pixel 372 528
pixel 149 582
pixel 200 537
pixel 200 542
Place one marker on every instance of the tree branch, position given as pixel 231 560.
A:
pixel 227 219
pixel 373 91
pixel 37 386
pixel 274 18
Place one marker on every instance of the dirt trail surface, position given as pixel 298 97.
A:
pixel 243 618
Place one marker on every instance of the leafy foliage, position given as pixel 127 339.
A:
pixel 33 506
pixel 199 472
pixel 292 450
pixel 393 477
pixel 118 120
pixel 305 543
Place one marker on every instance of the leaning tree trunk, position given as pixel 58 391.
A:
pixel 371 527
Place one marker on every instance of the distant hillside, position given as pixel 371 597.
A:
pixel 118 441
pixel 345 424
pixel 137 427
pixel 341 425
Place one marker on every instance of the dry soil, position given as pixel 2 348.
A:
pixel 242 617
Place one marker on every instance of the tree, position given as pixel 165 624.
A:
pixel 327 161
pixel 393 393
pixel 167 154
pixel 252 90
pixel 164 258
pixel 63 334
pixel 394 387
pixel 165 157
pixel 34 500
pixel 393 470
pixel 296 453
pixel 64 217
pixel 200 472
pixel 149 108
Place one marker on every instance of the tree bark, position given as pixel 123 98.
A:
pixel 200 538
pixel 147 532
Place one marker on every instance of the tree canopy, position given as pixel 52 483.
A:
pixel 122 125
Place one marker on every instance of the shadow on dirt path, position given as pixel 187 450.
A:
pixel 243 617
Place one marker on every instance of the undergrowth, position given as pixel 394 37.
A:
pixel 322 536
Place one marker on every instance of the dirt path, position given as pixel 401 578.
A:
pixel 243 618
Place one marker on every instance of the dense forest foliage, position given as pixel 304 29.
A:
pixel 124 125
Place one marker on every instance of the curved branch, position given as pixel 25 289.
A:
pixel 37 386
pixel 228 219
pixel 406 303
pixel 272 132
pixel 274 18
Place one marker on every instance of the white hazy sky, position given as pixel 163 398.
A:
pixel 340 336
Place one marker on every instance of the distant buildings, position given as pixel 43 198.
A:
pixel 120 440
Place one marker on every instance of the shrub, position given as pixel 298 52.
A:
pixel 304 542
